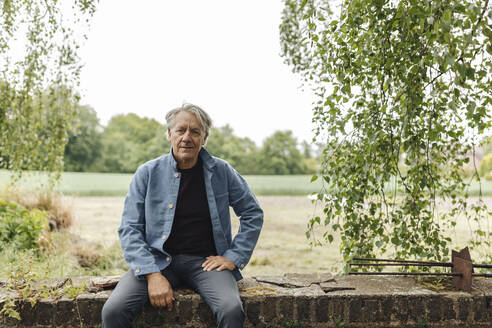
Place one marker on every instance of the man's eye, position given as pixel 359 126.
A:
pixel 195 132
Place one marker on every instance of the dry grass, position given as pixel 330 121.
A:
pixel 282 246
pixel 59 210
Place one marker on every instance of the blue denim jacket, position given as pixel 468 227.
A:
pixel 149 212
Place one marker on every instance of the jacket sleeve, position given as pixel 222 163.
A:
pixel 136 251
pixel 246 207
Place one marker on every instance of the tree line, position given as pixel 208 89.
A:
pixel 128 141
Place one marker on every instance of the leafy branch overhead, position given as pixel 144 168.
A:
pixel 403 97
pixel 39 71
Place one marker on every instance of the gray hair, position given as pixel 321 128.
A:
pixel 202 116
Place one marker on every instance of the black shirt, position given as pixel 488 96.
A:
pixel 191 232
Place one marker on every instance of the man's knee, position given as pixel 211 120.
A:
pixel 110 312
pixel 114 314
pixel 230 310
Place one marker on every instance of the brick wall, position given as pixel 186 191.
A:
pixel 341 302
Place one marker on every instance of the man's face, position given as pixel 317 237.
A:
pixel 186 138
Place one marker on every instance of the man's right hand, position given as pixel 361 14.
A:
pixel 160 290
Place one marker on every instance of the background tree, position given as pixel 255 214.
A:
pixel 129 141
pixel 84 141
pixel 37 86
pixel 241 153
pixel 396 82
pixel 279 155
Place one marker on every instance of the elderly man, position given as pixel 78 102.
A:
pixel 176 231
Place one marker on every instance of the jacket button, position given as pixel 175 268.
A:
pixel 176 175
pixel 137 270
pixel 170 205
pixel 242 266
pixel 168 259
pixel 164 237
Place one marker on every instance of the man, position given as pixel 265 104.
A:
pixel 176 231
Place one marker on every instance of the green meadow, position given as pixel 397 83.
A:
pixel 112 184
pixel 116 184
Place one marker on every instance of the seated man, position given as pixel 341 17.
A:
pixel 176 231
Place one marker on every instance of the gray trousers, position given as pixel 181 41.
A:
pixel 218 289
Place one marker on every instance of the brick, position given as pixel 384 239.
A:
pixel 400 309
pixel 488 302
pixel 155 317
pixel 448 308
pixel 303 308
pixel 370 309
pixel 385 310
pixel 479 309
pixel 416 308
pixel 252 309
pixel 84 306
pixel 66 313
pixel 205 314
pixel 27 314
pixel 355 309
pixel 45 312
pixel 464 309
pixel 321 309
pixel 434 308
pixel 286 307
pixel 185 310
pixel 270 308
pixel 338 308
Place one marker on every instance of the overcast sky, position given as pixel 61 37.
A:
pixel 148 57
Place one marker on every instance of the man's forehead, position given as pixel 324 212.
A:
pixel 185 120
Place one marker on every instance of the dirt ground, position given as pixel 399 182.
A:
pixel 282 246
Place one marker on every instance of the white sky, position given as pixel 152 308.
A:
pixel 148 57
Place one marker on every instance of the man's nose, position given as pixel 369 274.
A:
pixel 187 135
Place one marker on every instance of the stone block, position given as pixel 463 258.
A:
pixel 303 305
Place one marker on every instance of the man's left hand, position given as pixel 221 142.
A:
pixel 218 262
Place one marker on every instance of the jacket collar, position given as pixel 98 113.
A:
pixel 207 159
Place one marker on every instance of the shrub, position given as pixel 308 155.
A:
pixel 59 213
pixel 19 227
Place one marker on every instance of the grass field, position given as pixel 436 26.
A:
pixel 113 184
